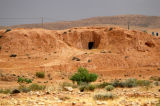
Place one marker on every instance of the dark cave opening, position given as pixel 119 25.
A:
pixel 90 45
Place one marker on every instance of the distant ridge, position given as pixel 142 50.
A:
pixel 134 20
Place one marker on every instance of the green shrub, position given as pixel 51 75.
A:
pixel 22 80
pixel 143 83
pixel 117 83
pixel 109 88
pixel 102 85
pixel 0 47
pixel 36 87
pixel 33 87
pixel 1 36
pixel 130 83
pixel 40 74
pixel 5 91
pixel 104 96
pixel 83 76
pixel 127 83
pixel 89 87
pixel 82 88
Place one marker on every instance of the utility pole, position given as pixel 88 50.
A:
pixel 128 25
pixel 42 19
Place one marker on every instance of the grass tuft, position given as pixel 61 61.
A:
pixel 40 74
pixel 104 96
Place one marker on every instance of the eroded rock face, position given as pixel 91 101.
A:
pixel 81 39
pixel 117 39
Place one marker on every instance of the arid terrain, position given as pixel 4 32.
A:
pixel 120 20
pixel 112 52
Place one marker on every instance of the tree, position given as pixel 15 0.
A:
pixel 83 76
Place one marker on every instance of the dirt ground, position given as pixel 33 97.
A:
pixel 117 53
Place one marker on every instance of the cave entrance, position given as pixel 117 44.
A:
pixel 90 45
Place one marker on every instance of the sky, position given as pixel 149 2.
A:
pixel 66 10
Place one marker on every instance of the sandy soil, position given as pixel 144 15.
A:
pixel 117 53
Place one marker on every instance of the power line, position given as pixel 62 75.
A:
pixel 42 22
pixel 25 20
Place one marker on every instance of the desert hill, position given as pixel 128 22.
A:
pixel 121 20
pixel 97 48
pixel 113 53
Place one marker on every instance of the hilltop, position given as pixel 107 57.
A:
pixel 121 20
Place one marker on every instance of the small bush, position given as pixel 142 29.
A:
pixel 109 88
pixel 33 87
pixel 40 74
pixel 110 29
pixel 36 87
pixel 127 83
pixel 1 36
pixel 117 83
pixel 130 83
pixel 7 30
pixel 103 85
pixel 143 83
pixel 83 76
pixel 0 47
pixel 157 83
pixel 24 89
pixel 13 55
pixel 155 78
pixel 89 87
pixel 5 91
pixel 64 32
pixel 22 80
pixel 82 88
pixel 104 96
pixel 145 31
